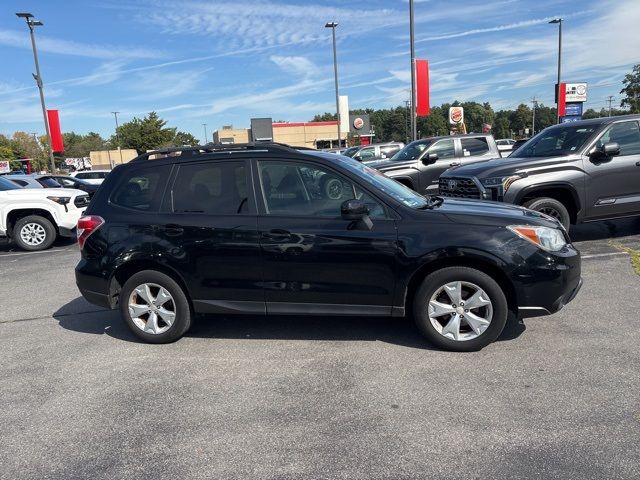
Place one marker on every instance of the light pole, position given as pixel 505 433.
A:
pixel 115 114
pixel 38 78
pixel 332 26
pixel 414 123
pixel 559 22
pixel 206 137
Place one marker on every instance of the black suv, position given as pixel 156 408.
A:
pixel 576 172
pixel 267 229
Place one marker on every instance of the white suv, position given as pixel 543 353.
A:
pixel 92 176
pixel 34 217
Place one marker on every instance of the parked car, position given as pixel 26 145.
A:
pixel 505 145
pixel 375 151
pixel 34 181
pixel 517 145
pixel 68 181
pixel 34 217
pixel 575 172
pixel 250 229
pixel 92 176
pixel 420 164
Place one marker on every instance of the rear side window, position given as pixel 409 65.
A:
pixel 211 188
pixel 22 183
pixel 141 188
pixel 626 135
pixel 49 182
pixel 92 175
pixel 474 146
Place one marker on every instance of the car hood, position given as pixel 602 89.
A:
pixel 45 192
pixel 479 212
pixel 498 167
pixel 387 164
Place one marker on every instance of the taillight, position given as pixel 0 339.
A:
pixel 86 226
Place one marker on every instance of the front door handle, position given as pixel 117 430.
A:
pixel 173 230
pixel 454 164
pixel 277 234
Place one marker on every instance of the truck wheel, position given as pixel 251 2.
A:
pixel 34 233
pixel 551 207
pixel 460 309
pixel 155 307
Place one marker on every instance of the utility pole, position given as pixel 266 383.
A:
pixel 610 100
pixel 332 26
pixel 206 136
pixel 115 114
pixel 407 103
pixel 38 78
pixel 559 22
pixel 414 123
pixel 533 120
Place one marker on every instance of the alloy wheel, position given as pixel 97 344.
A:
pixel 33 234
pixel 460 311
pixel 152 308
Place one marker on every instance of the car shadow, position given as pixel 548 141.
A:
pixel 605 229
pixel 80 316
pixel 8 246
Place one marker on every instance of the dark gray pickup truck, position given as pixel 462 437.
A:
pixel 576 172
pixel 420 164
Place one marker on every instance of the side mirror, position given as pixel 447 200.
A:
pixel 605 152
pixel 353 210
pixel 430 158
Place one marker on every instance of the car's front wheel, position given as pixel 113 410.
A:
pixel 460 309
pixel 551 207
pixel 34 233
pixel 155 307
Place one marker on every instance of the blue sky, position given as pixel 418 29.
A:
pixel 225 61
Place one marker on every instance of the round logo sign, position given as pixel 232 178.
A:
pixel 358 123
pixel 581 89
pixel 456 114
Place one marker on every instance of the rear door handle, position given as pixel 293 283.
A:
pixel 278 234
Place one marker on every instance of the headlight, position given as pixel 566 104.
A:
pixel 505 182
pixel 60 200
pixel 549 239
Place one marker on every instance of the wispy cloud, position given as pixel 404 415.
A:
pixel 20 39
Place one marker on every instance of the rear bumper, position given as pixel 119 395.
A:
pixel 92 285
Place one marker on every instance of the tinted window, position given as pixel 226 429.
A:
pixel 141 188
pixel 444 148
pixel 290 188
pixel 556 141
pixel 368 153
pixel 22 183
pixel 211 188
pixel 474 146
pixel 7 185
pixel 412 151
pixel 92 175
pixel 389 151
pixel 48 182
pixel 626 135
pixel 65 182
pixel 350 151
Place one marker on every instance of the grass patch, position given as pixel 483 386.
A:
pixel 633 253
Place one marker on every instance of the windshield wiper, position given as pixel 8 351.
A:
pixel 433 201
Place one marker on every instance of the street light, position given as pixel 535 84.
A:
pixel 332 26
pixel 115 114
pixel 38 78
pixel 559 22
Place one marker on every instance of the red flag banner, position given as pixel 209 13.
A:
pixel 422 88
pixel 57 144
pixel 562 100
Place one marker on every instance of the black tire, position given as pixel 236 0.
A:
pixel 438 279
pixel 332 187
pixel 25 222
pixel 183 315
pixel 551 207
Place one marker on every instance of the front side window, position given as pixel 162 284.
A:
pixel 301 189
pixel 211 188
pixel 367 153
pixel 444 148
pixel 626 135
pixel 556 141
pixel 141 188
pixel 412 151
pixel 474 146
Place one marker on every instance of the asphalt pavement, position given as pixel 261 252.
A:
pixel 355 398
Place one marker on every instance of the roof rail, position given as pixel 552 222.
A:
pixel 190 151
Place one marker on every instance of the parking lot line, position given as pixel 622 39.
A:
pixel 599 255
pixel 35 253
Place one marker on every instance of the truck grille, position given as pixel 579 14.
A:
pixel 459 187
pixel 81 201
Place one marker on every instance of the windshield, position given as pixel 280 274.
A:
pixel 412 151
pixel 555 142
pixel 349 152
pixel 381 182
pixel 7 185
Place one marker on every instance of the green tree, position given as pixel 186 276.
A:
pixel 631 90
pixel 325 117
pixel 144 134
pixel 184 138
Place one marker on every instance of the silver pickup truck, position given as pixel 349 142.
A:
pixel 420 164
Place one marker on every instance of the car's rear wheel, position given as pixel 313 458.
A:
pixel 34 233
pixel 551 207
pixel 155 307
pixel 460 309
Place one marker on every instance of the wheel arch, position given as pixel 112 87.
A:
pixel 14 215
pixel 485 264
pixel 126 270
pixel 565 193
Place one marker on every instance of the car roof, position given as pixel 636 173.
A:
pixel 598 121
